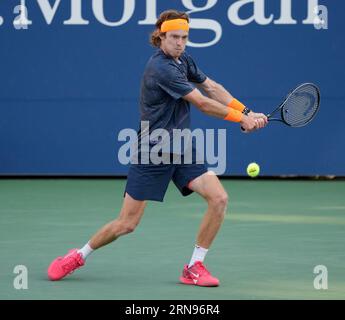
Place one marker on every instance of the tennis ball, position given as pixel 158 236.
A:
pixel 253 169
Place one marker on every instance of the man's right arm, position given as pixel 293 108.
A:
pixel 217 92
pixel 216 109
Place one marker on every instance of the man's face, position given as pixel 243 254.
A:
pixel 174 42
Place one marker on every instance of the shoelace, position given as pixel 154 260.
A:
pixel 72 263
pixel 203 269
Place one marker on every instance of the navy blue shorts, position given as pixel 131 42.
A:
pixel 150 181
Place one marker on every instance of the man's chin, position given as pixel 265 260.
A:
pixel 179 53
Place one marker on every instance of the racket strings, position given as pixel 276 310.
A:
pixel 301 106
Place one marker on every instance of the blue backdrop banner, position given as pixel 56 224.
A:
pixel 71 71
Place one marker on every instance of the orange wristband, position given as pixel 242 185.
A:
pixel 233 115
pixel 235 104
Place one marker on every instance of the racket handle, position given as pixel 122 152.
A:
pixel 244 130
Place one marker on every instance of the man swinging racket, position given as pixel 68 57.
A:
pixel 167 90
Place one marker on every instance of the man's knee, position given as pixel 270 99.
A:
pixel 129 221
pixel 123 226
pixel 129 227
pixel 219 202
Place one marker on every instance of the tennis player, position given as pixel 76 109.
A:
pixel 171 82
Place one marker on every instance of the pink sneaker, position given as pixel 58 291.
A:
pixel 62 266
pixel 198 275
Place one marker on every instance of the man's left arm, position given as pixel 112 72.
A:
pixel 217 92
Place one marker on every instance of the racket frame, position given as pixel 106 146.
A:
pixel 269 116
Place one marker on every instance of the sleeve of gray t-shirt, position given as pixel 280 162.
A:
pixel 194 73
pixel 172 80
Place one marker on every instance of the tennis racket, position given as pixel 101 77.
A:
pixel 299 107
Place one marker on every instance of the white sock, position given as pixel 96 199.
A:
pixel 85 251
pixel 199 254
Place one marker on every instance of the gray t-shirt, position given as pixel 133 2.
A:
pixel 164 83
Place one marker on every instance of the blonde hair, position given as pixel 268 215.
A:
pixel 171 14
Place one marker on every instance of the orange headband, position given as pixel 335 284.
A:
pixel 175 24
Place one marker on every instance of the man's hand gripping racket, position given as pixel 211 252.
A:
pixel 299 107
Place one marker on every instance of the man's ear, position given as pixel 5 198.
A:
pixel 162 35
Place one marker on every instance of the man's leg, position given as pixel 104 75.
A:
pixel 210 188
pixel 129 217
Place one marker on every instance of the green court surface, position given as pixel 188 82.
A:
pixel 274 235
